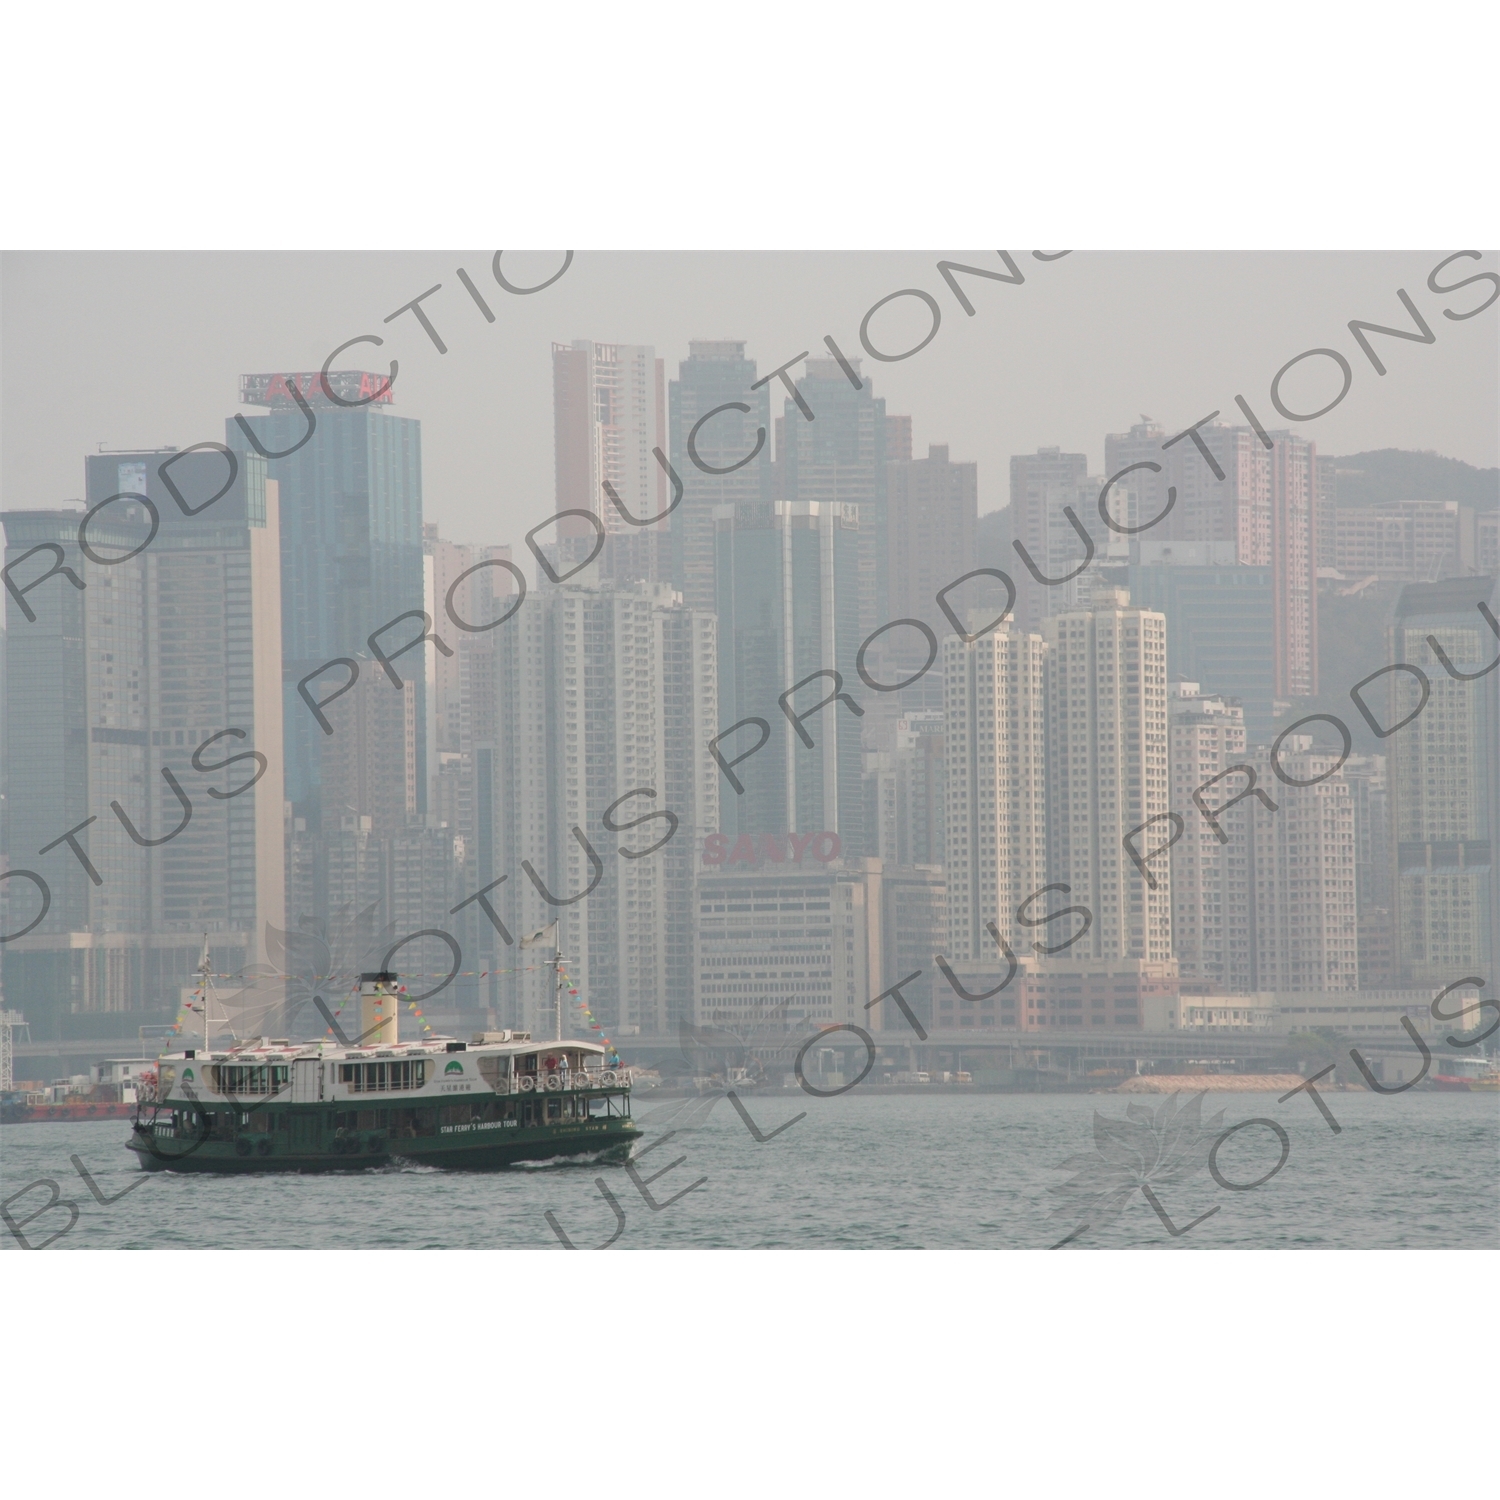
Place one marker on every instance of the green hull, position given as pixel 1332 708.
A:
pixel 307 1140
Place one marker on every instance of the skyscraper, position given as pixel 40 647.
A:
pixel 61 669
pixel 788 596
pixel 609 413
pixel 933 507
pixel 1043 485
pixel 1224 497
pixel 1211 918
pixel 839 458
pixel 1369 797
pixel 1294 581
pixel 351 542
pixel 131 693
pixel 994 738
pixel 369 763
pixel 713 402
pixel 1220 623
pixel 905 793
pixel 1108 774
pixel 1261 502
pixel 606 703
pixel 1302 872
pixel 1443 780
pixel 458 694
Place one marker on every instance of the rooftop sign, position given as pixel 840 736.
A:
pixel 276 389
pixel 770 848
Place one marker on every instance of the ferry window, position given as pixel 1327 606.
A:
pixel 383 1077
pixel 554 1109
pixel 248 1079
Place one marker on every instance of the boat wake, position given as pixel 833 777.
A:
pixel 590 1159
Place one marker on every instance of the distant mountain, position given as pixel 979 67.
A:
pixel 1396 474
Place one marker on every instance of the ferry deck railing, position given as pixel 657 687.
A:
pixel 564 1081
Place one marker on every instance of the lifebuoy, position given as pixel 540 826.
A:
pixel 264 1146
pixel 554 1081
pixel 607 1076
pixel 527 1083
pixel 242 1147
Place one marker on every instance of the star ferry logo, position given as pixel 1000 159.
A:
pixel 187 1075
pixel 454 1067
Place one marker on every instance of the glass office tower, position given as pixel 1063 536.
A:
pixel 351 543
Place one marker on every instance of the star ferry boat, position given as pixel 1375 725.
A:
pixel 270 1105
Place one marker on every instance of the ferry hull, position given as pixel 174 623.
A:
pixel 601 1141
pixel 273 1106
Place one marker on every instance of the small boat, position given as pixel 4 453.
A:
pixel 272 1105
pixel 1468 1075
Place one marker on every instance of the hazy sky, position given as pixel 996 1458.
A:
pixel 145 350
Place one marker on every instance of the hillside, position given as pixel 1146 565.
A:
pixel 1395 474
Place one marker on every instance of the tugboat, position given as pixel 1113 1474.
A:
pixel 272 1105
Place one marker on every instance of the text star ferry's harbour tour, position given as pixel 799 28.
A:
pixel 267 1105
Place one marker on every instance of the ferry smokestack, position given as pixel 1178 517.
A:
pixel 379 1005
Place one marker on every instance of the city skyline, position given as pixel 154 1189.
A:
pixel 816 533
pixel 1131 325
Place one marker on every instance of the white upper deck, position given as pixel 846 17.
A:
pixel 321 1072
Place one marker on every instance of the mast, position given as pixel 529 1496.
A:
pixel 203 988
pixel 557 963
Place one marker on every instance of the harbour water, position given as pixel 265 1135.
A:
pixel 1418 1170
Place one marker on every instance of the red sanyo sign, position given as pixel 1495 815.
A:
pixel 276 389
pixel 770 848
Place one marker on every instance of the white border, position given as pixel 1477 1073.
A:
pixel 819 126
pixel 793 123
pixel 735 1373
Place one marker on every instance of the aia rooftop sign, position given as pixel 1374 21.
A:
pixel 770 848
pixel 350 386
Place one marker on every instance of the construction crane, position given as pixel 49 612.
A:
pixel 8 1020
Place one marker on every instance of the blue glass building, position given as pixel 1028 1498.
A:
pixel 351 547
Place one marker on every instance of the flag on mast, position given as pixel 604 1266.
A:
pixel 546 935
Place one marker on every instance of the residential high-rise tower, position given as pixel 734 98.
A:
pixel 996 787
pixel 1108 775
pixel 609 413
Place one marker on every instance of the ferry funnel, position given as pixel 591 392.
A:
pixel 379 1006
